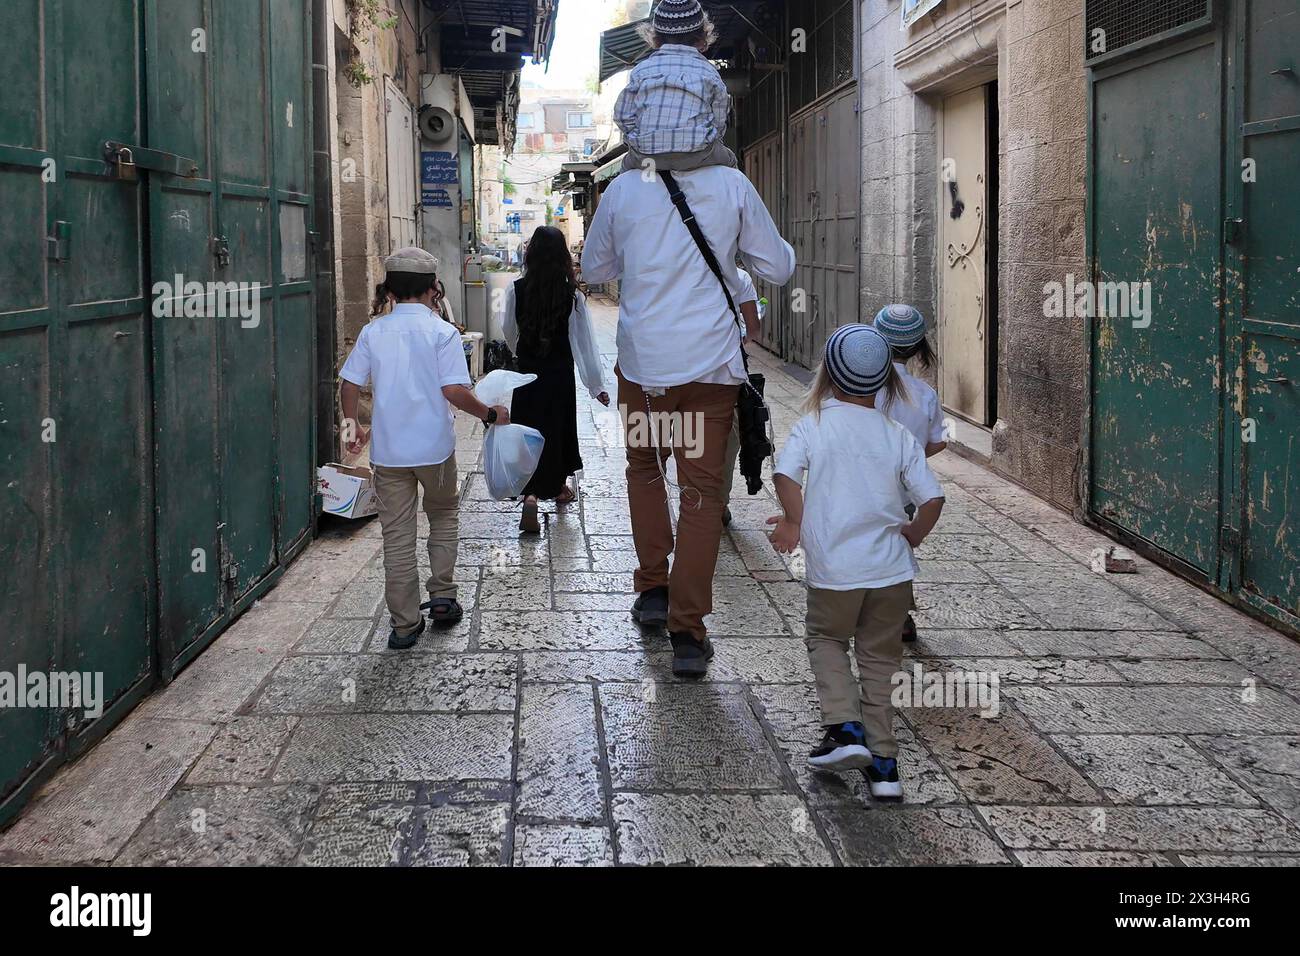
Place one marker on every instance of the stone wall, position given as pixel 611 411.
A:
pixel 1042 363
pixel 361 173
pixel 1033 48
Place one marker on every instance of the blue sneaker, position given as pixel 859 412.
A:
pixel 844 747
pixel 882 776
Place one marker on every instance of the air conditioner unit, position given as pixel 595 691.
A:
pixel 443 102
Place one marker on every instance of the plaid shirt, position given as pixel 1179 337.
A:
pixel 674 102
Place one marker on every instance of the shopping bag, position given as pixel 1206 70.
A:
pixel 497 387
pixel 510 456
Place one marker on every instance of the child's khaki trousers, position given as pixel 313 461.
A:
pixel 397 490
pixel 872 618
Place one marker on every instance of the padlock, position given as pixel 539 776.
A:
pixel 126 165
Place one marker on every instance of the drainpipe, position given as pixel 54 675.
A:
pixel 323 215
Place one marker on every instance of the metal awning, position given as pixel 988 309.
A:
pixel 572 177
pixel 491 78
pixel 609 164
pixel 622 47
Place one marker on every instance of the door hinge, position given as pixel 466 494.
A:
pixel 1233 230
pixel 1229 539
pixel 58 244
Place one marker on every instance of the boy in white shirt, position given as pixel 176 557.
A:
pixel 675 106
pixel 415 362
pixel 862 469
pixel 903 327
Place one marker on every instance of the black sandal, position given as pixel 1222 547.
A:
pixel 443 612
pixel 529 523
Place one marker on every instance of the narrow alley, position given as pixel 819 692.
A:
pixel 1140 722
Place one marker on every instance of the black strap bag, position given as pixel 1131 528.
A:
pixel 755 445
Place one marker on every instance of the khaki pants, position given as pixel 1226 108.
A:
pixel 872 618
pixel 699 522
pixel 396 490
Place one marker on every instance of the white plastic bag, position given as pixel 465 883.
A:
pixel 498 386
pixel 510 456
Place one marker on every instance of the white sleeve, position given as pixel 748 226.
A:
pixel 748 291
pixel 938 430
pixel 761 246
pixel 453 366
pixel 582 341
pixel 357 368
pixel 916 475
pixel 601 261
pixel 509 321
pixel 793 460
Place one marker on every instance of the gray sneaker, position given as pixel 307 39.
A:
pixel 651 608
pixel 690 657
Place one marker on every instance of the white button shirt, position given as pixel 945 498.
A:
pixel 409 355
pixel 674 325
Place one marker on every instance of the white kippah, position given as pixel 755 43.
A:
pixel 411 259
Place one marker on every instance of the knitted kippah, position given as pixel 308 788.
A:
pixel 678 16
pixel 857 360
pixel 901 325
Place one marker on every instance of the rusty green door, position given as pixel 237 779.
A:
pixel 234 394
pixel 1194 445
pixel 1267 33
pixel 75 462
pixel 156 467
pixel 1156 213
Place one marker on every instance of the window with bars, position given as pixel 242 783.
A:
pixel 828 60
pixel 1117 26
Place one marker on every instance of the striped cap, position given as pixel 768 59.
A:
pixel 857 360
pixel 677 17
pixel 901 325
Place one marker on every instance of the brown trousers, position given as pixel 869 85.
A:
pixel 699 522
pixel 397 490
pixel 872 619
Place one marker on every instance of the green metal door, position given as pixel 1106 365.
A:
pixel 1195 447
pixel 234 431
pixel 1155 192
pixel 156 442
pixel 1268 38
pixel 75 461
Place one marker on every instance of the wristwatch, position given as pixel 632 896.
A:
pixel 491 417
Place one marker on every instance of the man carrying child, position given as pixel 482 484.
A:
pixel 679 344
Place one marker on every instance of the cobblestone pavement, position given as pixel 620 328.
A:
pixel 1142 722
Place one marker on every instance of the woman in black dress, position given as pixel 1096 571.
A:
pixel 548 327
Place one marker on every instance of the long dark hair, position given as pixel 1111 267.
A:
pixel 548 288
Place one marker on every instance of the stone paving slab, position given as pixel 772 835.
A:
pixel 1140 721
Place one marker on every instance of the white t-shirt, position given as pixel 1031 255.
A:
pixel 920 414
pixel 409 355
pixel 862 469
